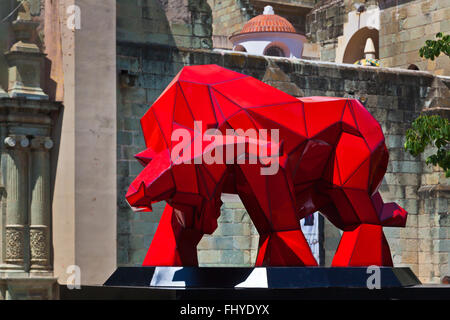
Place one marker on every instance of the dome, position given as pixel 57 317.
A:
pixel 270 35
pixel 268 22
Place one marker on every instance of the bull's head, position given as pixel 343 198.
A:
pixel 192 175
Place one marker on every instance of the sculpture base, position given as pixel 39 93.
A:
pixel 257 278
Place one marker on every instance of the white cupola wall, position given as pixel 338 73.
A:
pixel 271 35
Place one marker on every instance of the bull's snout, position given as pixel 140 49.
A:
pixel 153 184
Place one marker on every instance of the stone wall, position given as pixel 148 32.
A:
pixel 229 16
pixel 433 225
pixel 395 97
pixel 433 232
pixel 234 242
pixel 406 27
pixel 324 24
pixel 182 23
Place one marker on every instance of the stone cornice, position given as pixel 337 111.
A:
pixel 29 54
pixel 8 105
pixel 16 112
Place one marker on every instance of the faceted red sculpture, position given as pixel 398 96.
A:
pixel 215 131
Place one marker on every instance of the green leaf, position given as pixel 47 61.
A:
pixel 431 131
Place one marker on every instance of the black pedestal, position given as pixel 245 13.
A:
pixel 260 278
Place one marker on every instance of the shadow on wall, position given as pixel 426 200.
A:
pixel 175 23
pixel 6 8
pixel 143 22
pixel 385 4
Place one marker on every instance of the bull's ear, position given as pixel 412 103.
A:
pixel 145 156
pixel 141 208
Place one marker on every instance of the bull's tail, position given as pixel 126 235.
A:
pixel 390 214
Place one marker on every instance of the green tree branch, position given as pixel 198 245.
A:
pixel 433 48
pixel 430 131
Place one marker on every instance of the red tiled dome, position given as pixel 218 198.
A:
pixel 268 23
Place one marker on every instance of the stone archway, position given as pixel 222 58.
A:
pixel 355 47
pixel 357 23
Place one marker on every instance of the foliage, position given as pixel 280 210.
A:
pixel 433 48
pixel 434 131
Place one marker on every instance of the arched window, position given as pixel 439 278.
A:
pixel 355 47
pixel 240 48
pixel 413 67
pixel 274 51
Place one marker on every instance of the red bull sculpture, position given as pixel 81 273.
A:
pixel 215 131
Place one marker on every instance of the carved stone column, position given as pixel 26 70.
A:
pixel 40 210
pixel 15 171
pixel 40 214
pixel 25 199
pixel 27 120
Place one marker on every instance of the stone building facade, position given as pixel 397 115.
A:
pixel 404 29
pixel 169 22
pixel 337 30
pixel 136 47
pixel 27 134
pixel 398 27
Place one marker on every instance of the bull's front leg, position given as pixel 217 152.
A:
pixel 173 244
pixel 270 203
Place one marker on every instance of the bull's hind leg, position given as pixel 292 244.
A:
pixel 270 203
pixel 363 244
pixel 172 244
pixel 366 245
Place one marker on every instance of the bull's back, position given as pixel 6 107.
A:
pixel 325 137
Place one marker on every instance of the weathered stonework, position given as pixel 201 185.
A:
pixel 26 128
pixel 402 29
pixel 39 246
pixel 228 17
pixel 433 223
pixel 234 241
pixel 5 39
pixel 182 23
pixel 24 57
pixel 23 286
pixel 395 97
pixel 15 182
pixel 324 24
pixel 14 244
pixel 406 27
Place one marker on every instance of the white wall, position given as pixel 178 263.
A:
pixel 256 43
